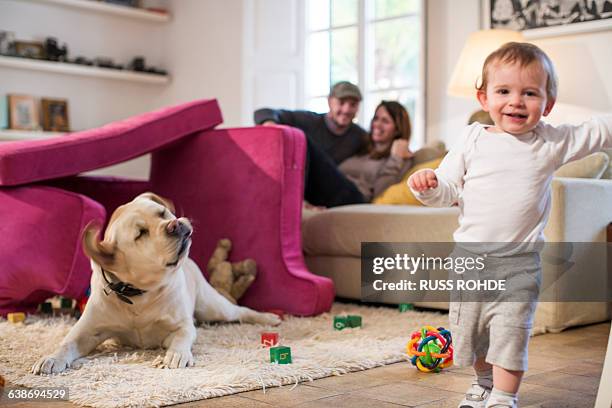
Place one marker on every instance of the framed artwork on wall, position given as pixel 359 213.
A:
pixel 23 112
pixel 548 18
pixel 55 115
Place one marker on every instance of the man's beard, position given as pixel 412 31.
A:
pixel 338 125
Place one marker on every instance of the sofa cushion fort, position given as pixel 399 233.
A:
pixel 27 161
pixel 40 245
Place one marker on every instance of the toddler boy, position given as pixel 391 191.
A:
pixel 500 177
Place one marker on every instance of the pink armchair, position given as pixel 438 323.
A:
pixel 244 184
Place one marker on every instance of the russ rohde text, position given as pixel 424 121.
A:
pixel 448 284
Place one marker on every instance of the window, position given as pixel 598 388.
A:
pixel 376 44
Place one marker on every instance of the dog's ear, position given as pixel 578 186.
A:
pixel 101 252
pixel 159 200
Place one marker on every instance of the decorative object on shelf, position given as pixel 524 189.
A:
pixel 23 112
pixel 7 43
pixel 126 3
pixel 30 49
pixel 53 52
pixel 157 71
pixel 138 64
pixel 82 61
pixel 4 122
pixel 55 115
pixel 105 62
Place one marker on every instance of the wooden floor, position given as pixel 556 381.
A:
pixel 564 372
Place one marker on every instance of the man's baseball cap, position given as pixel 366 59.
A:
pixel 345 89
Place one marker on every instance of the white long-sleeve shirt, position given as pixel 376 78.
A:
pixel 501 182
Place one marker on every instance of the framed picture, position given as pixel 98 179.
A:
pixel 4 121
pixel 23 112
pixel 548 18
pixel 55 115
pixel 26 49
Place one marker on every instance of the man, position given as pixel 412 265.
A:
pixel 334 132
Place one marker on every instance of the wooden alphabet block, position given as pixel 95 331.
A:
pixel 16 317
pixel 340 322
pixel 280 355
pixel 404 307
pixel 353 320
pixel 269 339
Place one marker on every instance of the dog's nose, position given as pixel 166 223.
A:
pixel 178 228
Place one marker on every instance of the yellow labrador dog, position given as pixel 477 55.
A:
pixel 145 291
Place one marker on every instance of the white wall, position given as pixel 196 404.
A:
pixel 449 23
pixel 583 63
pixel 203 47
pixel 273 55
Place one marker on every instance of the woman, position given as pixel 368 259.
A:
pixel 362 177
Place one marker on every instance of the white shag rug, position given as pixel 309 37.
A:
pixel 229 357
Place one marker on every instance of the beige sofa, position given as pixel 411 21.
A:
pixel 581 211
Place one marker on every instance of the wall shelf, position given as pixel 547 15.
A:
pixel 11 134
pixel 122 11
pixel 82 70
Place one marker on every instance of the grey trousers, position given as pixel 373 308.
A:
pixel 497 327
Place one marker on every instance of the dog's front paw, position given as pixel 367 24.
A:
pixel 50 365
pixel 269 319
pixel 175 359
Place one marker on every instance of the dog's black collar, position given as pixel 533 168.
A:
pixel 123 290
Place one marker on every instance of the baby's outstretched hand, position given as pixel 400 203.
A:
pixel 423 180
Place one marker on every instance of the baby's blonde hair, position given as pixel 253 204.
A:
pixel 524 54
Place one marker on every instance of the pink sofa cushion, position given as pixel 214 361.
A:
pixel 29 161
pixel 109 191
pixel 246 184
pixel 40 245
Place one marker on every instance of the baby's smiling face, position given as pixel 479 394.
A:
pixel 516 97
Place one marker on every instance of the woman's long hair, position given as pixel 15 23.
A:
pixel 401 119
